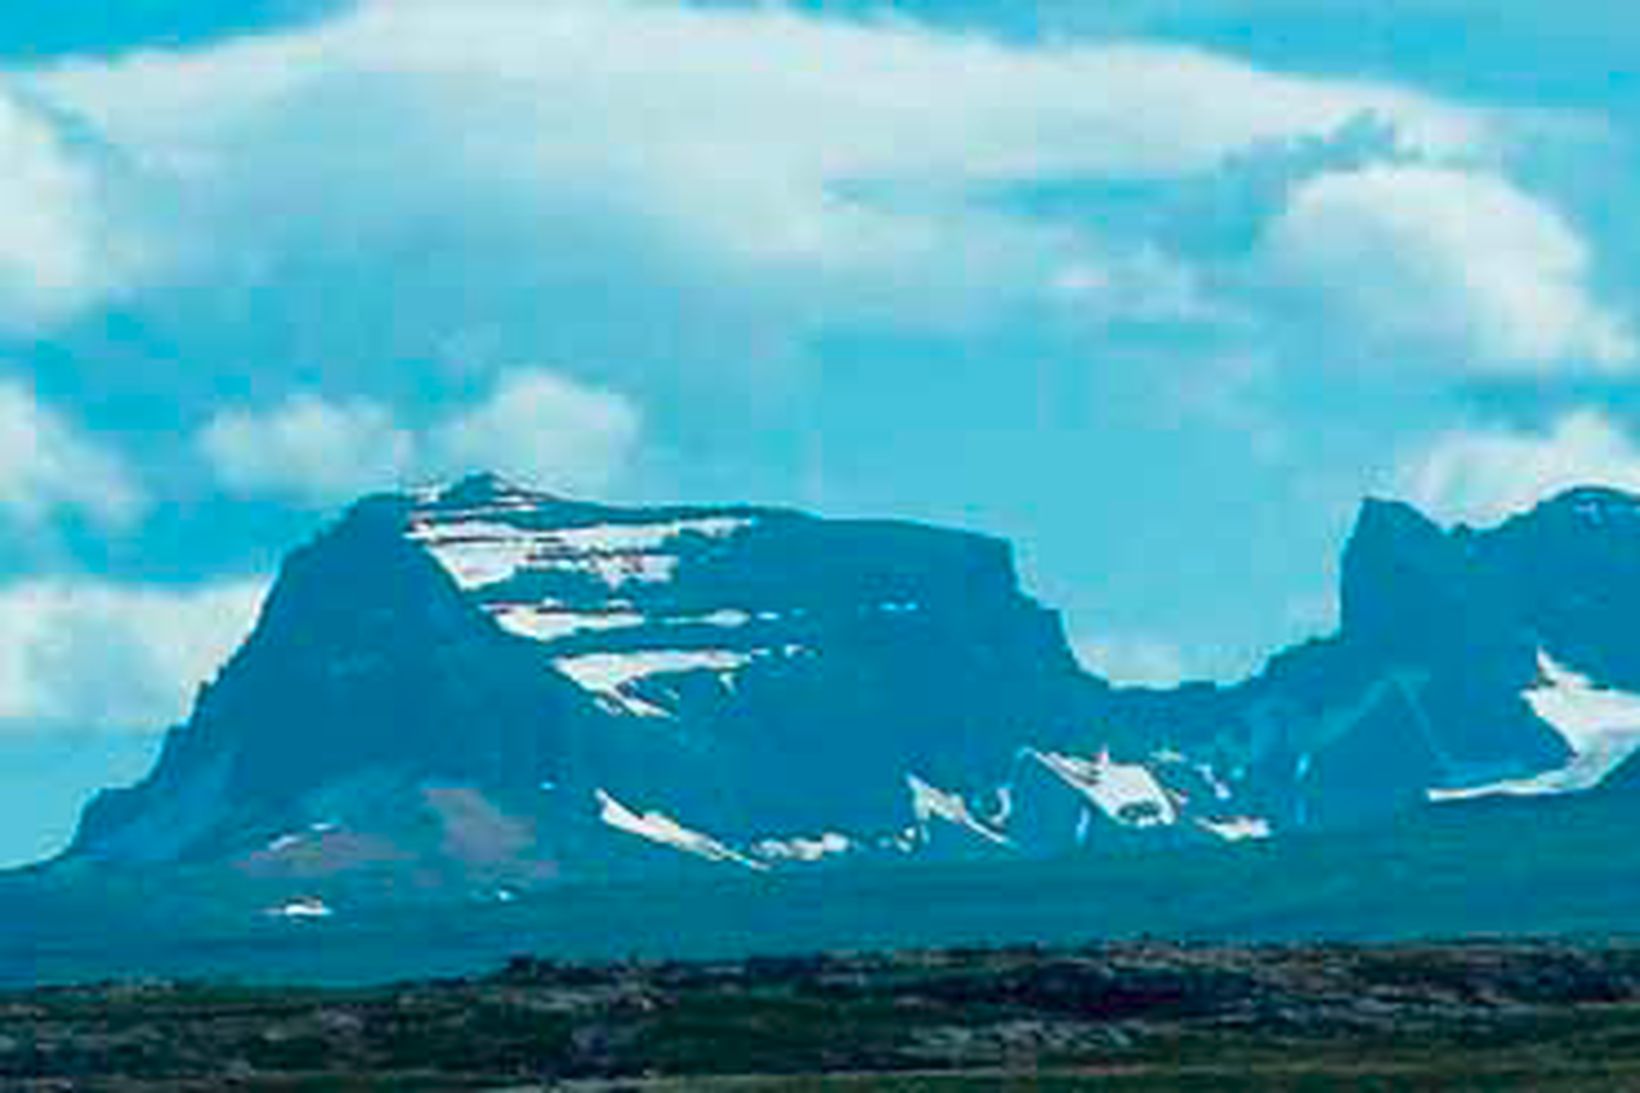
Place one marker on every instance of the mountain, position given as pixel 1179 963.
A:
pixel 489 680
pixel 486 689
pixel 1467 664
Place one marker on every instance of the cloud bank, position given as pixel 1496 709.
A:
pixel 1460 262
pixel 760 171
pixel 1481 476
pixel 535 424
pixel 48 466
pixel 90 656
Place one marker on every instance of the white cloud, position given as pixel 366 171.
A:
pixel 1483 475
pixel 1458 261
pixel 57 255
pixel 88 655
pixel 533 423
pixel 544 427
pixel 884 99
pixel 724 178
pixel 309 450
pixel 48 466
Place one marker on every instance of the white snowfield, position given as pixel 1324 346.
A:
pixel 1600 725
pixel 657 827
pixel 1127 793
pixel 1237 829
pixel 293 839
pixel 546 623
pixel 609 675
pixel 478 552
pixel 829 845
pixel 929 803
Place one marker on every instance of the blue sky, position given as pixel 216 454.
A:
pixel 1158 289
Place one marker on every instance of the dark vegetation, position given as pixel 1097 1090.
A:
pixel 1502 1016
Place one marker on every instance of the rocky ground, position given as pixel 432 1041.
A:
pixel 1501 1016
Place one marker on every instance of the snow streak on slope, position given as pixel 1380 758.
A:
pixel 825 846
pixel 481 552
pixel 1601 726
pixel 610 675
pixel 930 802
pixel 1127 793
pixel 1237 829
pixel 306 908
pixel 540 622
pixel 659 828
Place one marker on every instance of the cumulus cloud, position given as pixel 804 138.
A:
pixel 65 246
pixel 307 449
pixel 94 656
pixel 1459 261
pixel 47 466
pixel 543 427
pixel 694 171
pixel 533 423
pixel 1483 475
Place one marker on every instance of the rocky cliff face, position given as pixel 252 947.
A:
pixel 490 687
pixel 1467 663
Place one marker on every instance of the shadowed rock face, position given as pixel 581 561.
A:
pixel 367 665
pixel 488 682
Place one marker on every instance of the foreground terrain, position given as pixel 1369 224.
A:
pixel 1497 1016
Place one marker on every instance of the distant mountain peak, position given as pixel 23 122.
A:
pixel 1597 505
pixel 484 488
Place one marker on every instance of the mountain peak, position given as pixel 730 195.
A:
pixel 1397 560
pixel 1380 515
pixel 1590 505
pixel 485 488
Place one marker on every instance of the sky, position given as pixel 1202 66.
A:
pixel 1158 289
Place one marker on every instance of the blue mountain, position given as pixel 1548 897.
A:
pixel 483 688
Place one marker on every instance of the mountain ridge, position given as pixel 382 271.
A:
pixel 490 688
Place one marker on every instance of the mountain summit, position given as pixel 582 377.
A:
pixel 485 688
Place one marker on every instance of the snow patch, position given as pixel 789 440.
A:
pixel 657 827
pixel 1128 793
pixel 1221 790
pixel 645 537
pixel 293 839
pixel 309 908
pixel 828 845
pixel 1237 829
pixel 609 675
pixel 728 618
pixel 930 802
pixel 1600 725
pixel 543 623
pixel 477 552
